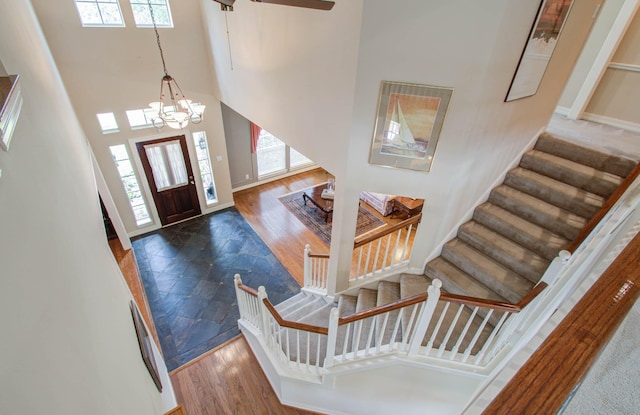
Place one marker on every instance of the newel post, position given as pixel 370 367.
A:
pixel 556 267
pixel 332 337
pixel 237 282
pixel 264 318
pixel 307 266
pixel 433 295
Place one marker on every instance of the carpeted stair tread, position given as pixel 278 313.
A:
pixel 578 175
pixel 551 217
pixel 411 284
pixel 293 302
pixel 347 305
pixel 367 299
pixel 503 250
pixel 602 161
pixel 304 308
pixel 498 278
pixel 318 317
pixel 388 292
pixel 456 281
pixel 535 238
pixel 557 193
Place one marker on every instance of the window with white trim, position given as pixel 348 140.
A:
pixel 138 119
pixel 108 122
pixel 275 157
pixel 161 13
pixel 130 183
pixel 96 13
pixel 204 164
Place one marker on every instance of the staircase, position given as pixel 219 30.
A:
pixel 367 348
pixel 504 250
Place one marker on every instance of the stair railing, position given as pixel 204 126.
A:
pixel 606 207
pixel 382 252
pixel 385 251
pixel 461 332
pixel 293 345
pixel 316 271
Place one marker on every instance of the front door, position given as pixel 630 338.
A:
pixel 168 170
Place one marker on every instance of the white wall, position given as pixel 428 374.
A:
pixel 68 344
pixel 473 47
pixel 290 70
pixel 601 28
pixel 119 69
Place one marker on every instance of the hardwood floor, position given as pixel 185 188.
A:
pixel 283 233
pixel 227 380
pixel 127 262
pixel 280 230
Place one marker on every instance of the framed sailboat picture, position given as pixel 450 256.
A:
pixel 408 124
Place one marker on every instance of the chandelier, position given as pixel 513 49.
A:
pixel 173 109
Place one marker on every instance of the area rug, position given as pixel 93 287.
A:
pixel 310 216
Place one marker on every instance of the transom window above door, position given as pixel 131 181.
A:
pixel 161 13
pixel 98 13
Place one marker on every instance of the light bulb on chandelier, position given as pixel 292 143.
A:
pixel 178 111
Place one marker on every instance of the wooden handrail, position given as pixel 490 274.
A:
pixel 383 232
pixel 545 381
pixel 248 290
pixel 278 317
pixel 454 298
pixel 604 209
pixel 326 256
pixel 418 298
pixel 293 324
pixel 405 302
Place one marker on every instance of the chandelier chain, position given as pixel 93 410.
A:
pixel 155 29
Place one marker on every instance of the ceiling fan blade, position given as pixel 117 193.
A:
pixel 307 4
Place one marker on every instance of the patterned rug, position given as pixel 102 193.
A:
pixel 313 219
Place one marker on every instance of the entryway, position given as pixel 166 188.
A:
pixel 168 171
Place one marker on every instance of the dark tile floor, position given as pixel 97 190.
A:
pixel 187 270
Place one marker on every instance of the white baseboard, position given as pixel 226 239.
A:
pixel 274 178
pixel 614 122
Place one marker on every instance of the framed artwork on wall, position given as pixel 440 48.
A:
pixel 544 34
pixel 408 124
pixel 144 341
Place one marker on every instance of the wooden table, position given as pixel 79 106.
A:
pixel 314 195
pixel 407 206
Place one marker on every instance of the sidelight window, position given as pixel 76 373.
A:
pixel 204 164
pixel 130 183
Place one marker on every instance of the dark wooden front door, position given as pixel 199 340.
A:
pixel 168 170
